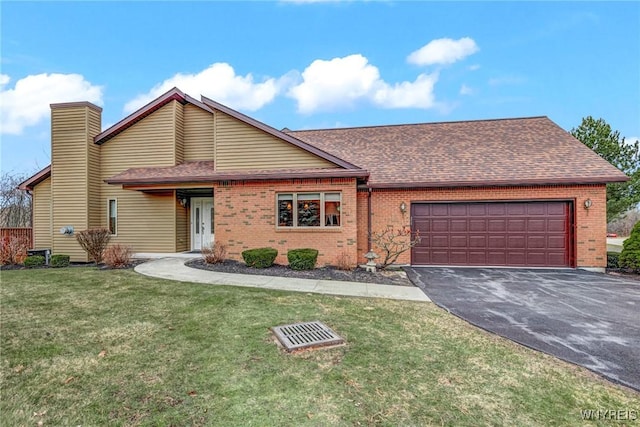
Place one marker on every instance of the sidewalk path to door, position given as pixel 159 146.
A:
pixel 173 268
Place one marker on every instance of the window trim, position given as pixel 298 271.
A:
pixel 115 204
pixel 294 202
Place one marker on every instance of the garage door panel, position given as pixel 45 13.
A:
pixel 459 241
pixel 486 233
pixel 440 241
pixel 516 242
pixel 536 242
pixel 476 225
pixel 438 225
pixel 477 241
pixel 557 225
pixel 497 242
pixel 477 258
pixel 458 225
pixel 536 225
pixel 516 225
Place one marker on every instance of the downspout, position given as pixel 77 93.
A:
pixel 369 220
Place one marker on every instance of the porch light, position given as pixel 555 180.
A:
pixel 403 207
pixel 183 202
pixel 587 203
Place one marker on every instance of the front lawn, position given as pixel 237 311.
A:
pixel 87 347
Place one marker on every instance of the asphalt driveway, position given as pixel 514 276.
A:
pixel 589 319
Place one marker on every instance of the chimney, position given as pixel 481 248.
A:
pixel 75 172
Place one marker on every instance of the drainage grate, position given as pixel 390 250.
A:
pixel 305 335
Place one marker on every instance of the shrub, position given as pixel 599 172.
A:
pixel 13 250
pixel 343 262
pixel 260 258
pixel 59 260
pixel 302 259
pixel 118 256
pixel 215 254
pixel 393 243
pixel 630 255
pixel 34 261
pixel 94 241
pixel 612 259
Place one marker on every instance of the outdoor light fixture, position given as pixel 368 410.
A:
pixel 587 203
pixel 183 202
pixel 403 207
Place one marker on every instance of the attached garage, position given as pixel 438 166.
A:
pixel 514 234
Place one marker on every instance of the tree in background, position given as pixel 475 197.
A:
pixel 15 205
pixel 597 135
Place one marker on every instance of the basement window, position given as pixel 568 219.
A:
pixel 306 210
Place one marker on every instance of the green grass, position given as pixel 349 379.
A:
pixel 87 347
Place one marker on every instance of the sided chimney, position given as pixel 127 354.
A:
pixel 75 172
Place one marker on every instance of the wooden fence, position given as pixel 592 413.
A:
pixel 25 232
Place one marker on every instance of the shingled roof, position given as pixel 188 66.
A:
pixel 523 151
pixel 203 171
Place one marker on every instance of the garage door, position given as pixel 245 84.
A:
pixel 522 234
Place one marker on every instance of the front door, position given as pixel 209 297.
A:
pixel 201 222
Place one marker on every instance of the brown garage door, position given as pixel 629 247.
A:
pixel 523 234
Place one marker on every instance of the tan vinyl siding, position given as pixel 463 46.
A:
pixel 182 228
pixel 198 134
pixel 146 222
pixel 240 146
pixel 42 215
pixel 95 207
pixel 69 181
pixel 179 132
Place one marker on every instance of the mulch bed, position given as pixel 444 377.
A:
pixel 397 278
pixel 131 265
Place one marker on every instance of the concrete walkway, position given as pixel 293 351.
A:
pixel 173 268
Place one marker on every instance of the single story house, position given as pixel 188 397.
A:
pixel 181 172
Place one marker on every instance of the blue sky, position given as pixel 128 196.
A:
pixel 315 64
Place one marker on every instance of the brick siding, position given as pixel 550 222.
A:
pixel 590 241
pixel 245 218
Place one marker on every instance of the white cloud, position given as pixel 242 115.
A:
pixel 443 51
pixel 334 83
pixel 341 82
pixel 466 90
pixel 27 103
pixel 218 82
pixel 417 94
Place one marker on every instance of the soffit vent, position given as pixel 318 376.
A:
pixel 304 335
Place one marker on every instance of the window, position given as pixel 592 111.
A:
pixel 309 210
pixel 112 216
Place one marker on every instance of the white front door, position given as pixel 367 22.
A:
pixel 201 222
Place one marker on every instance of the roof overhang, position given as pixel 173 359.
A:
pixel 29 183
pixel 499 183
pixel 146 179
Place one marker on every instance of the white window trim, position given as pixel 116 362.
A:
pixel 295 225
pixel 109 214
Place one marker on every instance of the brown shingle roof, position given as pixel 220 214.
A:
pixel 486 152
pixel 203 171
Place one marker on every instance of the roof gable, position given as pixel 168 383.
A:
pixel 286 138
pixel 174 94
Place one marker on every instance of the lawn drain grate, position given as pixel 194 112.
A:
pixel 305 335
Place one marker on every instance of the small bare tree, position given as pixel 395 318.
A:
pixel 94 241
pixel 15 204
pixel 393 243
